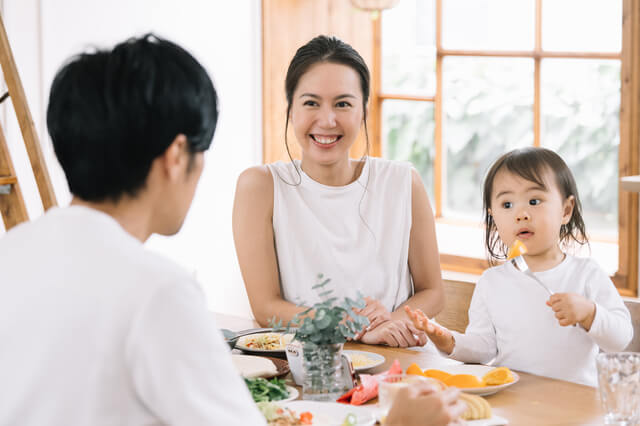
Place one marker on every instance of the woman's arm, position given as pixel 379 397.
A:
pixel 255 246
pixel 424 259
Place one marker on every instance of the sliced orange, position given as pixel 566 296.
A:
pixel 437 374
pixel 498 376
pixel 414 369
pixel 463 381
pixel 517 249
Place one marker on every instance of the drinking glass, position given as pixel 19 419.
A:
pixel 619 386
pixel 390 384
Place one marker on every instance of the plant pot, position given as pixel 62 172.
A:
pixel 322 372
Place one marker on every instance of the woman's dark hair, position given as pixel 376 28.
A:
pixel 531 163
pixel 332 50
pixel 111 113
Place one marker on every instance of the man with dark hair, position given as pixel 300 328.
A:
pixel 95 329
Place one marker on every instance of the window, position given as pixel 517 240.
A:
pixel 463 81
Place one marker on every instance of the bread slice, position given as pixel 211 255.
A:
pixel 251 366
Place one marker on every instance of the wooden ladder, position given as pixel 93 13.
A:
pixel 12 206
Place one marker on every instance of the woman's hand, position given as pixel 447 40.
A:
pixel 395 333
pixel 571 308
pixel 422 404
pixel 440 336
pixel 375 312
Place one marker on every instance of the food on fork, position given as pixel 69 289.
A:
pixel 498 376
pixel 517 249
pixel 477 407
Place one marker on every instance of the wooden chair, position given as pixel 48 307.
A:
pixel 455 314
pixel 633 305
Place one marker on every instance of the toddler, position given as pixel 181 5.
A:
pixel 530 195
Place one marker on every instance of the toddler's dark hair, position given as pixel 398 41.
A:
pixel 530 163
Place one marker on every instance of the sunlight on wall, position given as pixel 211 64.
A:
pixel 225 37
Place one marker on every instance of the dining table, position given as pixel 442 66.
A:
pixel 533 400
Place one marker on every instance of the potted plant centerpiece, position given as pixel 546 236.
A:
pixel 322 330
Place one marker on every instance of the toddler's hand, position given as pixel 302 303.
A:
pixel 571 308
pixel 439 335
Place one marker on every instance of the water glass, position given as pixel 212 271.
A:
pixel 619 386
pixel 390 384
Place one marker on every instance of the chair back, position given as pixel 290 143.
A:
pixel 633 304
pixel 455 315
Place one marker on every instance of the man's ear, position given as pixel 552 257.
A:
pixel 174 158
pixel 567 209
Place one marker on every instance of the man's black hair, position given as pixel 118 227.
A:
pixel 111 113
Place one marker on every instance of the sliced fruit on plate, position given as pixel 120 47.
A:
pixel 498 376
pixel 437 374
pixel 463 381
pixel 414 369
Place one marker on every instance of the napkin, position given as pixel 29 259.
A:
pixel 368 388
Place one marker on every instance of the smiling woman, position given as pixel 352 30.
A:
pixel 366 222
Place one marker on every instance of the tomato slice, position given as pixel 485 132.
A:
pixel 306 418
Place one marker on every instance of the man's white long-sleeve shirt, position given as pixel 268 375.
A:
pixel 96 330
pixel 510 321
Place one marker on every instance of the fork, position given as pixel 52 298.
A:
pixel 521 264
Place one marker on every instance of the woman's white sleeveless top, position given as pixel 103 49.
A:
pixel 357 235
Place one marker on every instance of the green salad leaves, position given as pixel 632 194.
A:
pixel 267 390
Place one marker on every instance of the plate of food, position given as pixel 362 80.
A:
pixel 251 366
pixel 274 390
pixel 270 343
pixel 363 360
pixel 317 414
pixel 474 379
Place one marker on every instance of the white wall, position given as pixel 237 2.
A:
pixel 225 36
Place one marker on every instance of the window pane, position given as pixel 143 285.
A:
pixel 582 25
pixel 487 105
pixel 488 24
pixel 581 122
pixel 408 130
pixel 408 48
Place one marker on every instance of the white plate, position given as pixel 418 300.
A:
pixel 477 370
pixel 375 358
pixel 244 340
pixel 332 413
pixel 293 394
pixel 493 421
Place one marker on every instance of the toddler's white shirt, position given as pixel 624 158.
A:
pixel 510 321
